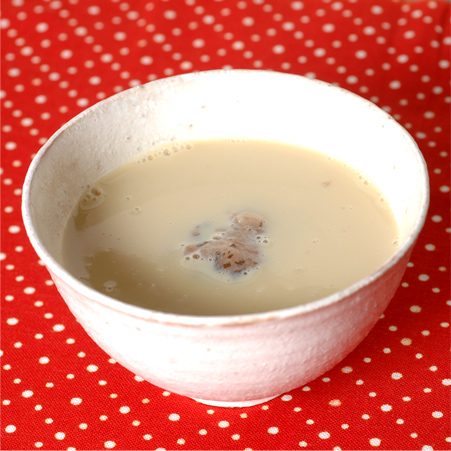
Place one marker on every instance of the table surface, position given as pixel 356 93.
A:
pixel 59 390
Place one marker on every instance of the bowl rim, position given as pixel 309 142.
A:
pixel 55 268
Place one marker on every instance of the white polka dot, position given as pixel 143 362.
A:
pixel 186 65
pixel 328 28
pixel 302 444
pixel 92 368
pixel 395 84
pixel 120 36
pixel 278 49
pixel 198 43
pixel 10 428
pixel 386 407
pixel 423 277
pixel 82 102
pixel 361 54
pixel 425 447
pixel 159 38
pixel 10 145
pixel 273 430
pixel 81 31
pixel 40 99
pixel 375 441
pixel 406 341
pixel 109 444
pixel 126 409
pixel 27 394
pixel 95 80
pixel 238 45
pixel 369 30
pixel 335 402
pixel 446 382
pixel 14 229
pixel 396 376
pixel 443 64
pixel 415 309
pixel 66 54
pixel 174 417
pixel 44 360
pixel 12 321
pixel 324 435
pixel 208 19
pixel 297 5
pixel 437 414
pixel 347 369
pixel 42 27
pixel 170 14
pixel 286 398
pixel 76 401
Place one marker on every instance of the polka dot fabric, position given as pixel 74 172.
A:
pixel 59 390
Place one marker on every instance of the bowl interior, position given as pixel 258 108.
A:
pixel 222 104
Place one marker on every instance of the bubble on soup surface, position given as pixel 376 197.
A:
pixel 109 285
pixel 135 211
pixel 92 197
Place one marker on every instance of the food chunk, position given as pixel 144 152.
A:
pixel 234 249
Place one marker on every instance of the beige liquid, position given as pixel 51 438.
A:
pixel 324 227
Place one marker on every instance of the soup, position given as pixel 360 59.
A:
pixel 228 227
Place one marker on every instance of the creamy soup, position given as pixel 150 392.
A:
pixel 228 227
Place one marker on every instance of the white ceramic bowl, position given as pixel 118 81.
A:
pixel 227 360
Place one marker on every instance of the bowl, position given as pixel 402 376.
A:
pixel 238 360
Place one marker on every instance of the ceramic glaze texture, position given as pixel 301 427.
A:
pixel 261 355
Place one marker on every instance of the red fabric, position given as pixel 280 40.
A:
pixel 59 390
